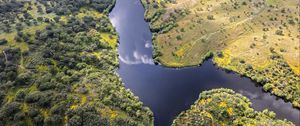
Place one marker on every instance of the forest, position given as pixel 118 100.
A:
pixel 59 60
pixel 58 66
pixel 225 107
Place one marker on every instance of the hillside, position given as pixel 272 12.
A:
pixel 58 62
pixel 255 38
pixel 224 107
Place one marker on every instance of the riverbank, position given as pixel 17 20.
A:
pixel 185 35
pixel 169 91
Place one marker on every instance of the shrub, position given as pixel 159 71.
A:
pixel 33 97
pixel 84 116
pixel 11 108
pixel 267 87
pixel 38 120
pixel 23 79
pixel 178 37
pixel 210 17
pixel 3 41
pixel 279 32
pixel 54 120
pixel 220 54
pixel 20 95
pixel 46 86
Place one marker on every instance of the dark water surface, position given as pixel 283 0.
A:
pixel 170 91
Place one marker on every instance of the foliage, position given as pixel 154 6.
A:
pixel 68 74
pixel 257 39
pixel 225 107
pixel 278 78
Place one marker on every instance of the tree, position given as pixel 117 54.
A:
pixel 10 109
pixel 23 79
pixel 46 86
pixel 32 97
pixel 38 120
pixel 20 95
pixel 54 120
pixel 85 116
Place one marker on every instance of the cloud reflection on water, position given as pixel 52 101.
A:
pixel 138 58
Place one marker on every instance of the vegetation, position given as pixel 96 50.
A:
pixel 225 107
pixel 258 39
pixel 277 77
pixel 57 66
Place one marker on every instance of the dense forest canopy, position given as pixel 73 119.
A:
pixel 58 66
pixel 225 107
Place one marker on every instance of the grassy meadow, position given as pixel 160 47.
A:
pixel 255 38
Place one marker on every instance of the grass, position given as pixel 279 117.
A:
pixel 32 88
pixel 10 37
pixel 97 54
pixel 89 12
pixel 272 2
pixel 10 97
pixel 232 29
pixel 112 114
pixel 225 60
pixel 183 50
pixel 108 38
pixel 63 19
pixel 246 32
pixel 112 40
pixel 42 68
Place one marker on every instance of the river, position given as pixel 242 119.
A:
pixel 169 91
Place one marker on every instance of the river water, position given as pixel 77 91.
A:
pixel 169 91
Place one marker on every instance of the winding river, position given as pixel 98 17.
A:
pixel 170 91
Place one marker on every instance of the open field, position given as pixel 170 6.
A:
pixel 240 34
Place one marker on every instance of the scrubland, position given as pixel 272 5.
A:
pixel 58 62
pixel 255 38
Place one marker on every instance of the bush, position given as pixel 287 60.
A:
pixel 33 97
pixel 23 79
pixel 32 112
pixel 124 122
pixel 85 116
pixel 19 116
pixel 2 96
pixel 46 86
pixel 54 120
pixel 279 32
pixel 210 17
pixel 58 109
pixel 38 120
pixel 20 95
pixel 267 87
pixel 3 41
pixel 220 54
pixel 178 37
pixel 10 109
